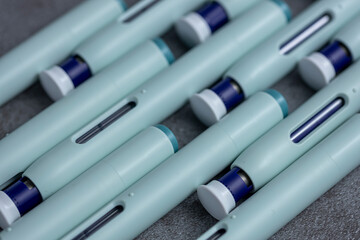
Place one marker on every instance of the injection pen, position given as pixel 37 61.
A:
pixel 146 20
pixel 274 58
pixel 154 100
pixel 197 26
pixel 175 179
pixel 78 152
pixel 19 67
pixel 76 110
pixel 285 143
pixel 96 187
pixel 64 162
pixel 295 188
pixel 318 69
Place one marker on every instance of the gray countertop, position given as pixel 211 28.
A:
pixel 333 216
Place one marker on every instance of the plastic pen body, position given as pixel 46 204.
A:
pixel 146 107
pixel 97 186
pixel 145 20
pixel 318 69
pixel 276 57
pixel 71 113
pixel 172 87
pixel 196 27
pixel 20 66
pixel 295 188
pixel 161 96
pixel 285 143
pixel 170 183
pixel 261 167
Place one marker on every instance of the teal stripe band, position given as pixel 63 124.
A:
pixel 285 8
pixel 281 101
pixel 123 5
pixel 170 135
pixel 165 50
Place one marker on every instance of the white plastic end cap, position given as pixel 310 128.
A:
pixel 56 83
pixel 192 29
pixel 316 70
pixel 208 107
pixel 8 211
pixel 216 199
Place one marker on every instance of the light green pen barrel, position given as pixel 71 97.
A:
pixel 155 100
pixel 61 119
pixel 20 66
pixel 197 26
pixel 350 36
pixel 166 186
pixel 284 143
pixel 262 166
pixel 294 189
pixel 131 30
pixel 276 57
pixel 145 20
pixel 319 68
pixel 96 187
pixel 73 155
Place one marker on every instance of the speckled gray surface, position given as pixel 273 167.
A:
pixel 334 216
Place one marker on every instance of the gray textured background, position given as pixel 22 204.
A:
pixel 334 216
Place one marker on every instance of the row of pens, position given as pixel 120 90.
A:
pixel 92 165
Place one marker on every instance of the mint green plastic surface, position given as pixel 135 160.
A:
pixel 278 151
pixel 121 36
pixel 155 100
pixel 166 186
pixel 96 187
pixel 170 135
pixel 349 35
pixel 20 66
pixel 234 8
pixel 281 100
pixel 275 65
pixel 165 50
pixel 92 98
pixel 296 188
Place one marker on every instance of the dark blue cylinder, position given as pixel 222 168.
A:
pixel 338 55
pixel 214 14
pixel 77 70
pixel 24 197
pixel 235 184
pixel 230 96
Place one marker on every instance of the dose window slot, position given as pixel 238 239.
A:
pixel 217 235
pixel 105 123
pixel 99 223
pixel 141 11
pixel 315 121
pixel 305 34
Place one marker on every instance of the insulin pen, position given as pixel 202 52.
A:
pixel 197 26
pixel 318 69
pixel 64 162
pixel 147 19
pixel 151 102
pixel 295 188
pixel 78 152
pixel 274 58
pixel 172 181
pixel 62 118
pixel 285 143
pixel 20 66
pixel 92 190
